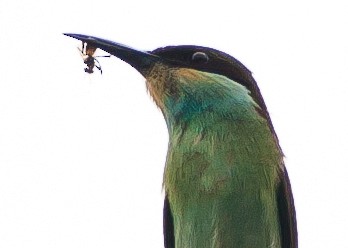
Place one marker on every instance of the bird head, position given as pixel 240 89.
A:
pixel 186 80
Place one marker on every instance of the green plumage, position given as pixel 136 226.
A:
pixel 222 165
pixel 225 181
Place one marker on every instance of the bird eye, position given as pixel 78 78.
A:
pixel 200 57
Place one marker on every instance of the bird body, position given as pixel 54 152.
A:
pixel 225 180
pixel 222 162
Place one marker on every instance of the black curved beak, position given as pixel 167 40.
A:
pixel 140 60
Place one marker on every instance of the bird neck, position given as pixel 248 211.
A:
pixel 185 94
pixel 203 110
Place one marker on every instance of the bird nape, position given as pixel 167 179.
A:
pixel 225 180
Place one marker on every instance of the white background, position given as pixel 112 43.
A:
pixel 81 156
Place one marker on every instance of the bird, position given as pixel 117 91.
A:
pixel 225 181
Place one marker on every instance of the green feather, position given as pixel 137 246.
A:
pixel 222 164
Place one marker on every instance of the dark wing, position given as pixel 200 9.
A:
pixel 287 214
pixel 168 225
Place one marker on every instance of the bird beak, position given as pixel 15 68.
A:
pixel 140 60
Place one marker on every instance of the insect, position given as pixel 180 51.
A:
pixel 87 51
